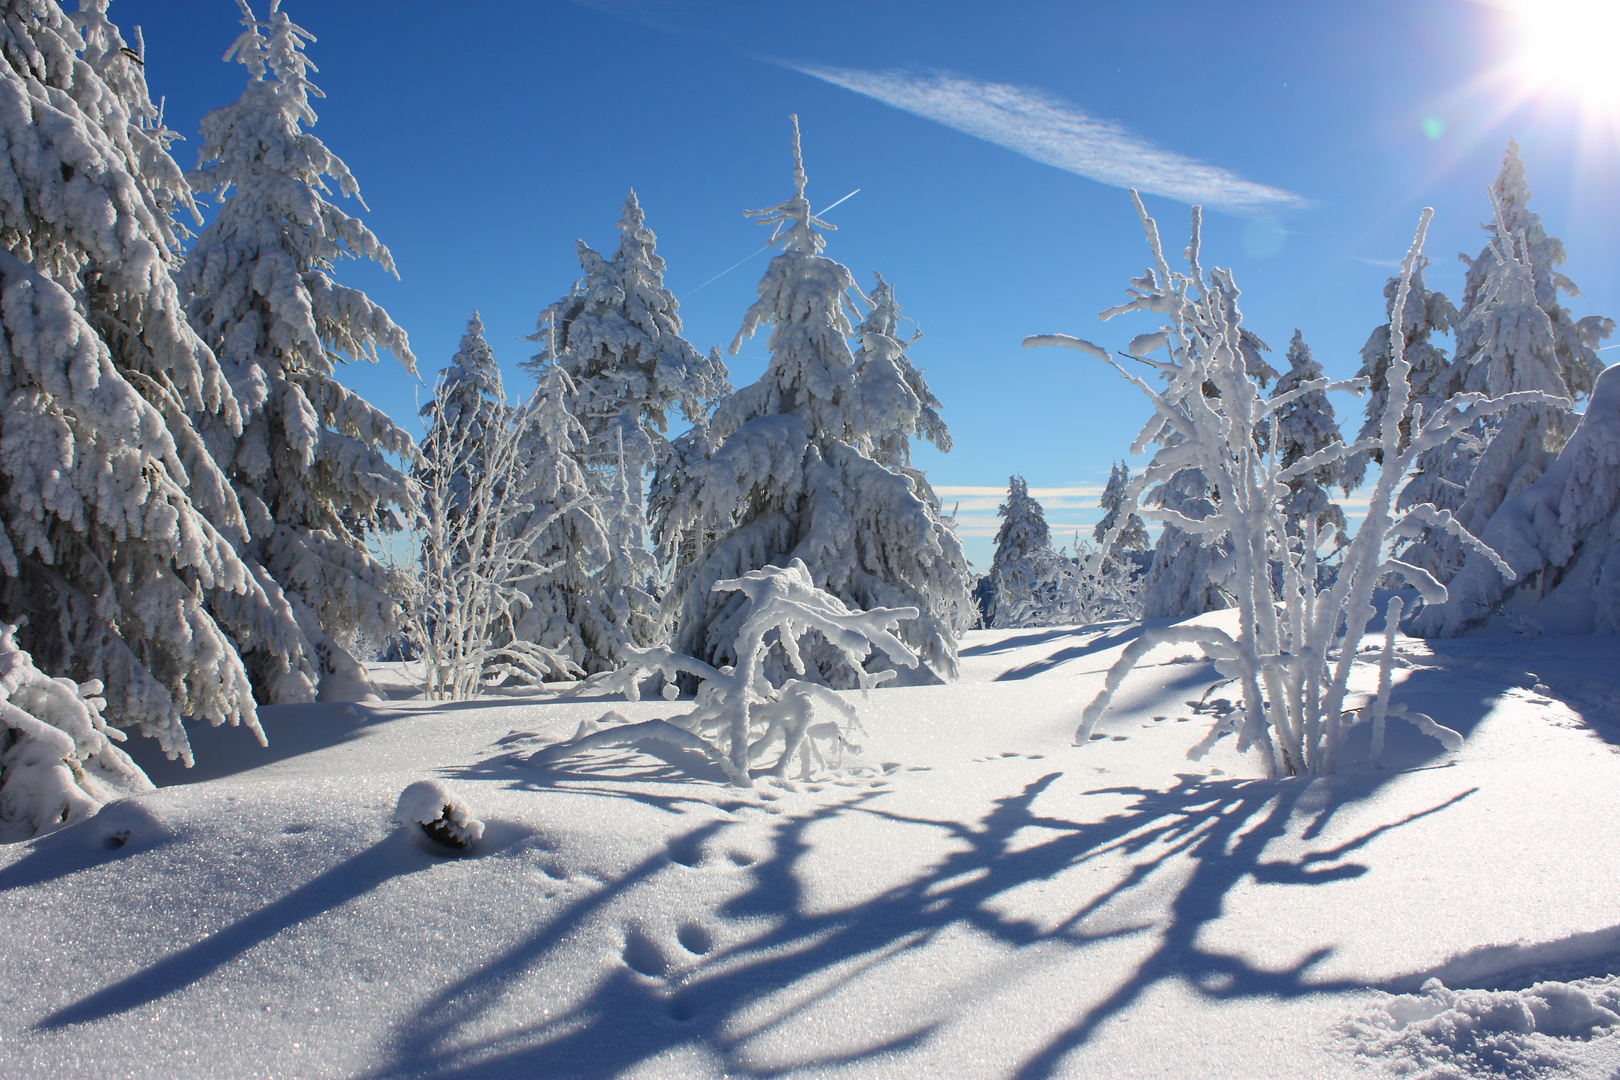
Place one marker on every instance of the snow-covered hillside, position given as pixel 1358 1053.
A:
pixel 973 896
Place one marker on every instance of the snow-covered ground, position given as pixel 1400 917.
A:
pixel 973 897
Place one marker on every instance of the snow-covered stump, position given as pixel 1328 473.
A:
pixel 58 761
pixel 1297 639
pixel 441 812
pixel 745 711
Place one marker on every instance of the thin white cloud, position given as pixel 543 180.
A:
pixel 1054 132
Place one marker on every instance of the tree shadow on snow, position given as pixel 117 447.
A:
pixel 1123 635
pixel 1199 839
pixel 119 831
pixel 291 731
pixel 399 853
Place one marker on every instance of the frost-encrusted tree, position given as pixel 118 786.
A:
pixel 310 464
pixel 618 336
pixel 1187 573
pixel 788 476
pixel 469 399
pixel 568 611
pixel 475 536
pixel 1513 335
pixel 116 554
pixel 1025 573
pixel 1301 428
pixel 1132 535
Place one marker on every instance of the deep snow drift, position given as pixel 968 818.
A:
pixel 973 896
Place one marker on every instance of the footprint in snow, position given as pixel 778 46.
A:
pixel 686 850
pixel 642 954
pixel 695 938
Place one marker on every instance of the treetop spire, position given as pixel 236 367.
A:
pixel 794 224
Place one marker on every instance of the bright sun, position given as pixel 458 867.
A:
pixel 1569 47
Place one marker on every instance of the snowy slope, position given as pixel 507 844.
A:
pixel 976 897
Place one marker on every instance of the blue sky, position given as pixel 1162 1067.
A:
pixel 989 144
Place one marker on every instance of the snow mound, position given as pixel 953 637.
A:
pixel 1551 1028
pixel 443 814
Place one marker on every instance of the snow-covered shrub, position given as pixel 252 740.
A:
pixel 1289 656
pixel 744 712
pixel 1094 585
pixel 617 334
pixel 58 761
pixel 441 812
pixel 476 538
pixel 785 470
pixel 312 463
pixel 117 523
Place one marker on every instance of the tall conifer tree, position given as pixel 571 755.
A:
pixel 311 462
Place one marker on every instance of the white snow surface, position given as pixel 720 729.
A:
pixel 973 897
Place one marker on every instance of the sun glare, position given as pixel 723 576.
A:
pixel 1568 48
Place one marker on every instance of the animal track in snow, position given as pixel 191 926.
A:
pixel 695 938
pixel 686 850
pixel 642 954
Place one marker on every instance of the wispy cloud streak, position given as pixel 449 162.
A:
pixel 1054 132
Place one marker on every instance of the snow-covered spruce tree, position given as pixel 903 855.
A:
pixel 1441 474
pixel 897 398
pixel 618 336
pixel 884 371
pixel 1432 378
pixel 1512 335
pixel 310 464
pixel 116 556
pixel 468 399
pixel 788 477
pixel 59 762
pixel 1025 574
pixel 1560 535
pixel 475 535
pixel 568 612
pixel 1132 536
pixel 742 711
pixel 1303 427
pixel 1288 655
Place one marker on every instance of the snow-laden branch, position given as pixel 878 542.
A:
pixel 739 714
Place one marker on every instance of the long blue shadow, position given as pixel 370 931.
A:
pixel 1219 828
pixel 394 856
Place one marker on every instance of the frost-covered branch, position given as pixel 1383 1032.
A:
pixel 475 537
pixel 1297 638
pixel 744 712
